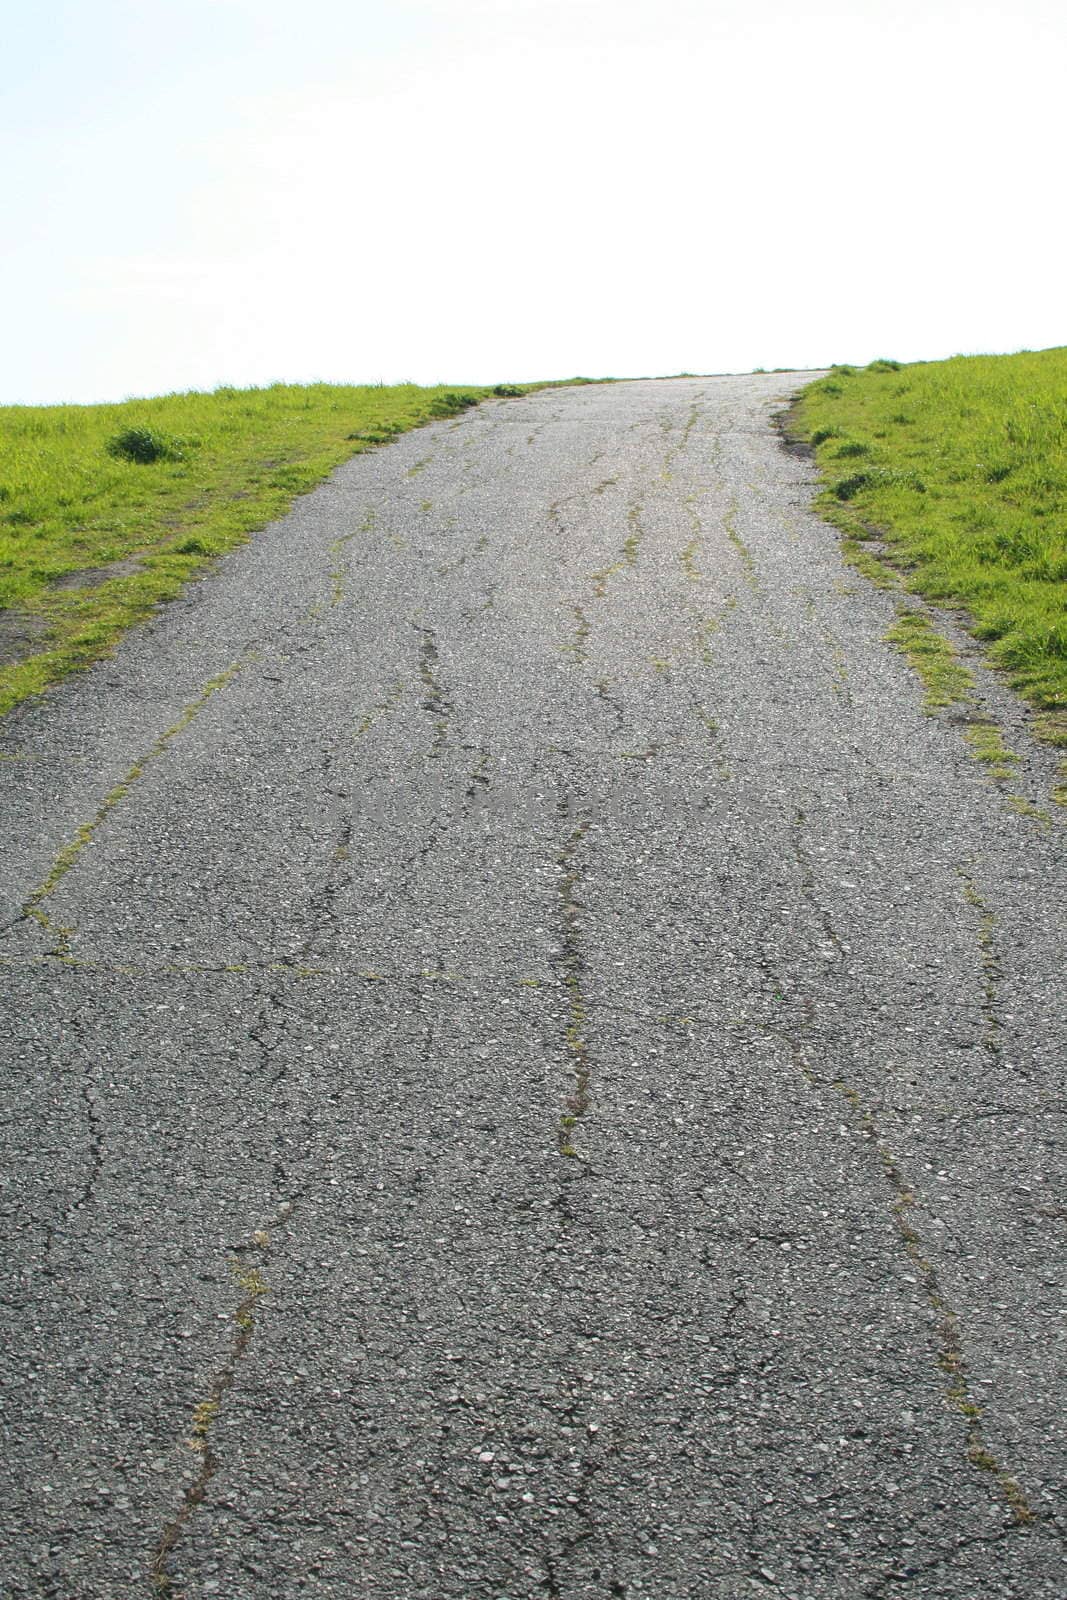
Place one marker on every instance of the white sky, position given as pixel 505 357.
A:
pixel 200 192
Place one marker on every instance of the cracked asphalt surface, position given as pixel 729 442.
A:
pixel 532 1068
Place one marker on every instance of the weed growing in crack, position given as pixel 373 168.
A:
pixel 676 450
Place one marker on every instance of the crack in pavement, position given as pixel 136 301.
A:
pixel 674 451
pixel 708 627
pixel 687 556
pixel 555 510
pixel 613 703
pixel 951 1358
pixel 575 648
pixel 248 1270
pixel 627 557
pixel 443 979
pixel 381 708
pixel 72 850
pixel 478 782
pixel 337 575
pixel 555 1563
pixel 572 968
pixel 906 1575
pixel 436 700
pixel 480 546
pixel 748 564
pixel 991 970
pixel 95 1167
pixel 252 1257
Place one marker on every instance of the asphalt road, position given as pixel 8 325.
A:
pixel 531 1068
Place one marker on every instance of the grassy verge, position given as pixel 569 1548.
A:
pixel 107 510
pixel 948 479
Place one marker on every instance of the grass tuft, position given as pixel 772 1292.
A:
pixel 876 477
pixel 145 445
pixel 851 448
pixel 453 401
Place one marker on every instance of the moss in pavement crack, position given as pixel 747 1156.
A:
pixel 575 647
pixel 948 681
pixel 708 627
pixel 838 668
pixel 337 574
pixel 688 556
pixel 675 450
pixel 627 557
pixel 248 1271
pixel 1025 808
pixel 72 850
pixel 380 709
pixel 555 510
pixel 748 565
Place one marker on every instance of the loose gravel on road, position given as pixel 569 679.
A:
pixel 532 1068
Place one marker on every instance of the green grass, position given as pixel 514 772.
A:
pixel 107 510
pixel 943 676
pixel 960 467
pixel 987 746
